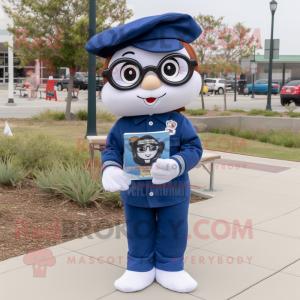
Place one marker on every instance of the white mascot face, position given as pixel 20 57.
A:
pixel 152 96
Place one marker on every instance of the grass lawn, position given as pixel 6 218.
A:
pixel 231 144
pixel 71 131
pixel 66 131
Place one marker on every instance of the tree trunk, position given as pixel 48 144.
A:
pixel 70 90
pixel 202 98
pixel 225 103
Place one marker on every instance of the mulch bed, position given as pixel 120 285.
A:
pixel 27 213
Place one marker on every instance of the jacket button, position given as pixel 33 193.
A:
pixel 151 194
pixel 150 123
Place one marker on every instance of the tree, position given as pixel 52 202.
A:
pixel 235 45
pixel 225 68
pixel 206 46
pixel 56 31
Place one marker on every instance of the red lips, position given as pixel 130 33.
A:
pixel 150 100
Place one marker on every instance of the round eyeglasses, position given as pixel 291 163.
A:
pixel 127 74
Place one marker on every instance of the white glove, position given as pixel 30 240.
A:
pixel 114 179
pixel 164 170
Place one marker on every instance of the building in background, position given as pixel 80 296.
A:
pixel 35 69
pixel 285 69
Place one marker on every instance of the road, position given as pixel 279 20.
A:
pixel 26 108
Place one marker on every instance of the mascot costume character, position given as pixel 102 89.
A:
pixel 150 74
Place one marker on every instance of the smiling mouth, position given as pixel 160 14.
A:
pixel 151 100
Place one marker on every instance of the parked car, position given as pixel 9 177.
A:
pixel 99 83
pixel 279 83
pixel 261 87
pixel 81 78
pixel 290 93
pixel 217 85
pixel 231 81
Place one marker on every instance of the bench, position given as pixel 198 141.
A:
pixel 95 143
pixel 206 159
pixel 41 89
pixel 98 143
pixel 19 87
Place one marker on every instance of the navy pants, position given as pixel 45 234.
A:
pixel 157 237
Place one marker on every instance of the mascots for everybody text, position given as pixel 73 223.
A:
pixel 150 74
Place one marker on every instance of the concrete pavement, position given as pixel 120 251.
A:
pixel 260 261
pixel 26 109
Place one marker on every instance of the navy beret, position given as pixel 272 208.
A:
pixel 155 34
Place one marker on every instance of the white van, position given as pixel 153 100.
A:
pixel 217 85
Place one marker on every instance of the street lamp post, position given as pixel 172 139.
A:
pixel 10 73
pixel 273 7
pixel 252 67
pixel 10 70
pixel 235 87
pixel 91 122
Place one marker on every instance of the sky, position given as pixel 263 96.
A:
pixel 252 13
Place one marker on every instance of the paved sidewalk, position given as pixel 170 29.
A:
pixel 228 261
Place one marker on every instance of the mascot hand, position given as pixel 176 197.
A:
pixel 114 179
pixel 164 170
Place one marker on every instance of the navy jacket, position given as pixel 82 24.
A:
pixel 185 149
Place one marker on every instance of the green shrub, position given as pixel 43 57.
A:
pixel 262 137
pixel 255 112
pixel 10 173
pixel 232 131
pixel 104 115
pixel 237 110
pixel 73 182
pixel 288 142
pixel 294 114
pixel 245 134
pixel 40 151
pixel 81 114
pixel 47 179
pixel 271 113
pixel 48 115
pixel 196 112
pixel 225 113
pixel 215 130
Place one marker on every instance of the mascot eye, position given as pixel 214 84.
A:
pixel 170 68
pixel 130 74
